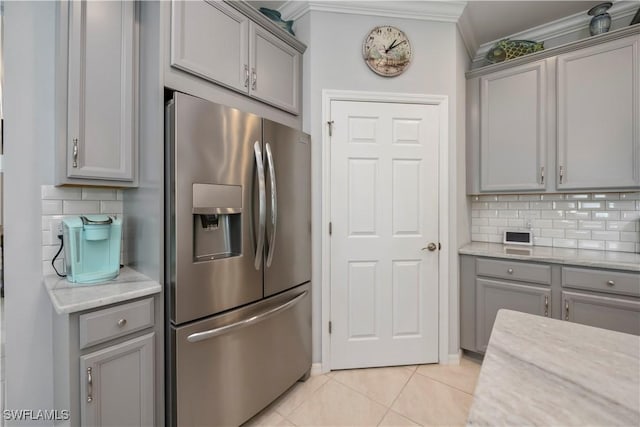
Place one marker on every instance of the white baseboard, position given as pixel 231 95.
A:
pixel 316 369
pixel 454 359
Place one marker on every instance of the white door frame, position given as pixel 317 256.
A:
pixel 442 101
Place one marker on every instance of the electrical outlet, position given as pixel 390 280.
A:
pixel 56 230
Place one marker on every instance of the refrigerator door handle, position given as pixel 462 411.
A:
pixel 274 204
pixel 262 198
pixel 205 335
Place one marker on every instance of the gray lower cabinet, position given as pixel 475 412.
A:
pixel 493 295
pixel 118 386
pixel 603 298
pixel 105 365
pixel 608 312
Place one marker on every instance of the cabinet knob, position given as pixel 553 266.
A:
pixel 510 271
pixel 122 322
pixel 611 283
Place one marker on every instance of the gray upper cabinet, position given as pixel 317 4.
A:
pixel 98 140
pixel 599 116
pixel 117 384
pixel 513 128
pixel 209 39
pixel 275 70
pixel 218 42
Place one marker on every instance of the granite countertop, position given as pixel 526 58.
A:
pixel 68 297
pixel 588 258
pixel 542 371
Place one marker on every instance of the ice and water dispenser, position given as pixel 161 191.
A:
pixel 217 221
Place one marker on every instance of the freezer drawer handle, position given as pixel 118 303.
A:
pixel 201 336
pixel 262 198
pixel 274 205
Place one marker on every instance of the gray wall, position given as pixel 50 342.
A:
pixel 29 48
pixel 334 61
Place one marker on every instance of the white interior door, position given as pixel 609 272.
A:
pixel 384 211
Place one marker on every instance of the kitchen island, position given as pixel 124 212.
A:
pixel 542 371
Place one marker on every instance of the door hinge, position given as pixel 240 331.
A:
pixel 330 326
pixel 439 246
pixel 330 123
pixel 330 228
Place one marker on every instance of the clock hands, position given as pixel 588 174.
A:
pixel 394 45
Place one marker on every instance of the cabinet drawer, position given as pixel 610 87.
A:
pixel 514 270
pixel 614 282
pixel 114 322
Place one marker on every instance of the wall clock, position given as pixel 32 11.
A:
pixel 387 51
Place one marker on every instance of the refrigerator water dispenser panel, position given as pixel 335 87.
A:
pixel 217 221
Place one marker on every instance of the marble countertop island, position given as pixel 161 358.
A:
pixel 68 297
pixel 542 371
pixel 583 257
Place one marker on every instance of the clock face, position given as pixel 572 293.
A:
pixel 387 51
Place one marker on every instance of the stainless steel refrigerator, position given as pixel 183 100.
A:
pixel 238 262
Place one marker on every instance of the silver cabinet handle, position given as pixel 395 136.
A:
pixel 542 175
pixel 262 202
pixel 566 309
pixel 122 322
pixel 90 386
pixel 246 75
pixel 274 204
pixel 611 283
pixel 561 173
pixel 75 152
pixel 510 271
pixel 254 78
pixel 546 305
pixel 200 336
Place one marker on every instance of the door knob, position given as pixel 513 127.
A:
pixel 431 246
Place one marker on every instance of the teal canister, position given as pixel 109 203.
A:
pixel 92 248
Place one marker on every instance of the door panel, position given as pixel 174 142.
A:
pixel 291 245
pixel 384 210
pixel 618 314
pixel 213 145
pixel 225 379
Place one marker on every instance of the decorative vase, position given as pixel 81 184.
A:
pixel 601 21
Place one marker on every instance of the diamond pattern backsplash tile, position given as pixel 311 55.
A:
pixel 597 221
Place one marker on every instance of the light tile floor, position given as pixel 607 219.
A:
pixel 424 395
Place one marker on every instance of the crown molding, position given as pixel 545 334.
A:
pixel 440 11
pixel 560 27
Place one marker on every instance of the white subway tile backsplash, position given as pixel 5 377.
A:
pixel 597 245
pixel 596 221
pixel 119 195
pixel 51 207
pixel 622 205
pixel 605 235
pixel 590 205
pixel 565 243
pixel 111 207
pixel 577 214
pixel 81 207
pixel 607 215
pixel 60 193
pixel 552 214
pixel 591 225
pixel 565 223
pixel 565 205
pixel 98 194
pixel 578 234
pixel 620 246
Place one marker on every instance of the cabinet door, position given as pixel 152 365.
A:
pixel 116 387
pixel 275 70
pixel 102 88
pixel 599 116
pixel 492 295
pixel 209 39
pixel 618 314
pixel 513 128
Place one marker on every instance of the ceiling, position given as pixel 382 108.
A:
pixel 492 20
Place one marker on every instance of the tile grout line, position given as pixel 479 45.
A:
pixel 295 408
pixel 442 382
pixel 396 398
